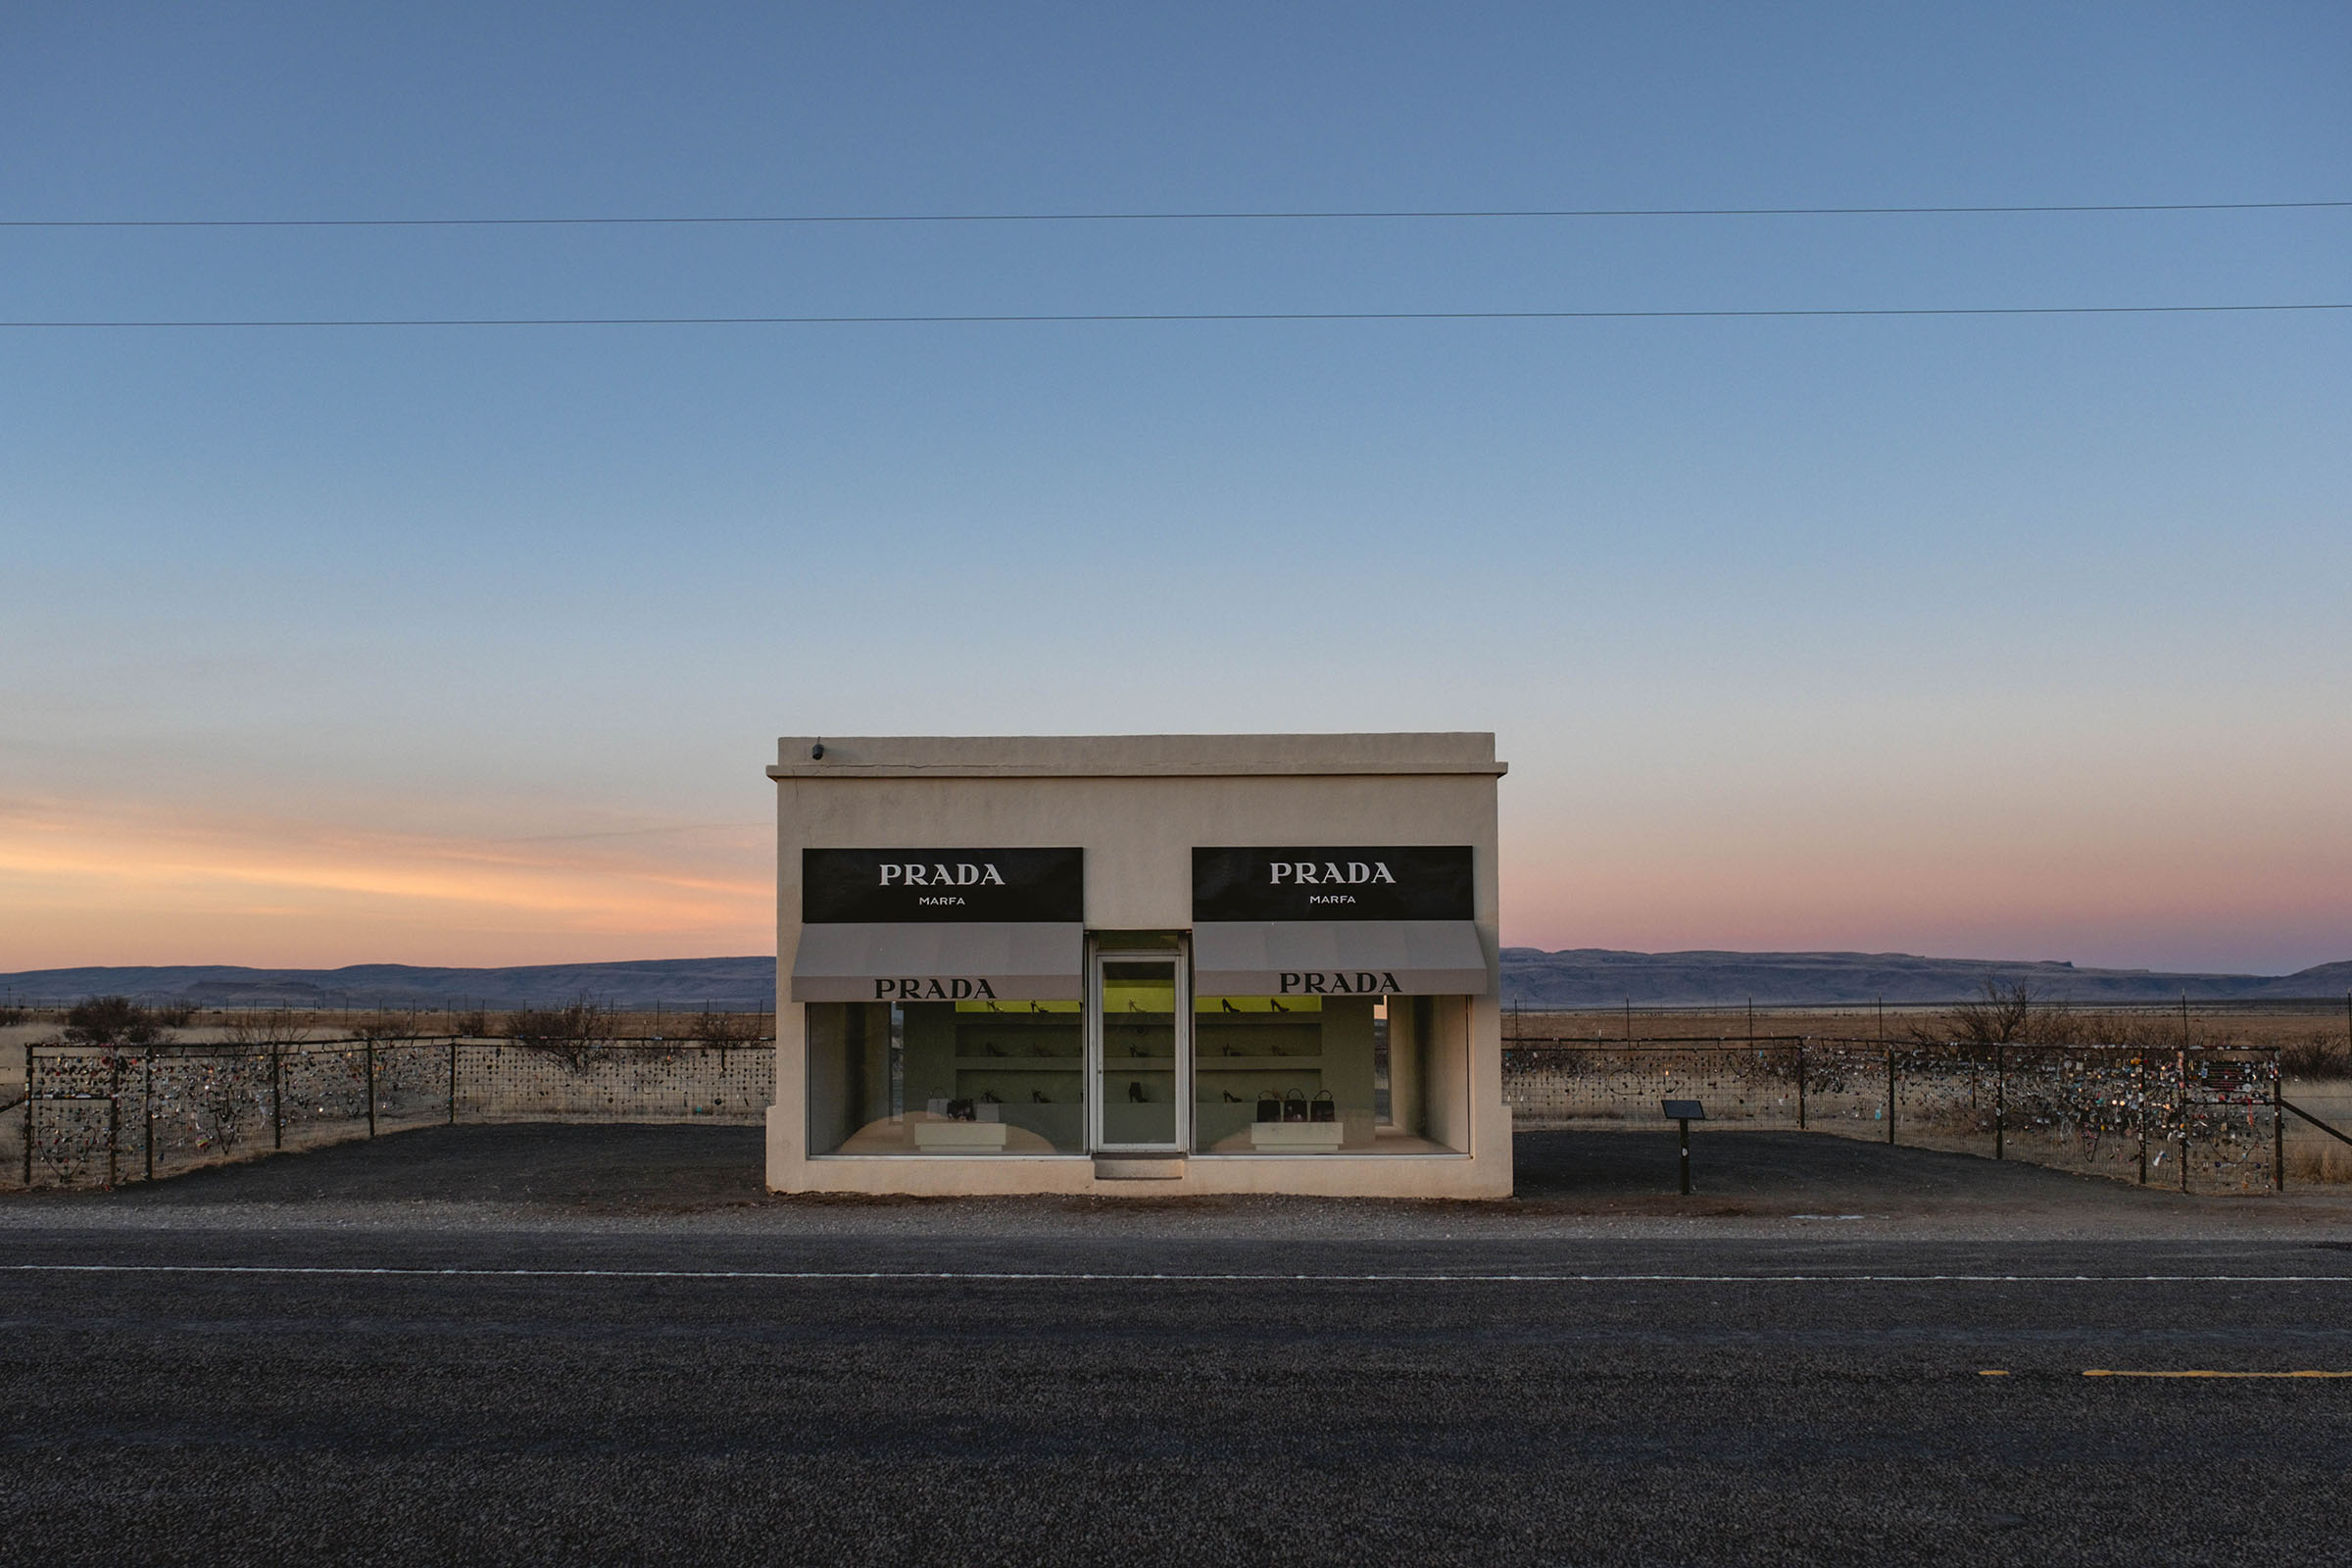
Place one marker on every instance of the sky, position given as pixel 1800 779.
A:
pixel 1998 636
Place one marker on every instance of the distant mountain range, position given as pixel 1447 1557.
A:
pixel 1592 977
pixel 1581 977
pixel 727 984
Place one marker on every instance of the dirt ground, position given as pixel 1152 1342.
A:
pixel 1568 1183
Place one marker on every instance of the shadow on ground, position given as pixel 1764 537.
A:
pixel 1783 1172
pixel 677 1168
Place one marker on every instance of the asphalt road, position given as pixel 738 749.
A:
pixel 665 1396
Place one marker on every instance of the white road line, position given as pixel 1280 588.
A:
pixel 1005 1276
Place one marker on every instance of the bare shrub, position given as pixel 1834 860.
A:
pixel 572 1032
pixel 1999 1018
pixel 469 1025
pixel 728 1028
pixel 265 1028
pixel 385 1027
pixel 2320 1056
pixel 2017 1014
pixel 12 1015
pixel 117 1021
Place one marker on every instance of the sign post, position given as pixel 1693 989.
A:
pixel 1683 1112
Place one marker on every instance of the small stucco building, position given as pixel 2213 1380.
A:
pixel 1138 966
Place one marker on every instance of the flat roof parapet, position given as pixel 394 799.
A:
pixel 1410 753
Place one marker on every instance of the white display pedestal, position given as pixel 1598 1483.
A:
pixel 1297 1137
pixel 962 1137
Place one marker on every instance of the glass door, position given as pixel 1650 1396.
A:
pixel 1140 1042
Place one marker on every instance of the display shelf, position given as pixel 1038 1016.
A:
pixel 1019 1063
pixel 1257 1065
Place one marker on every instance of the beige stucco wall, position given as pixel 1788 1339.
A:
pixel 1137 806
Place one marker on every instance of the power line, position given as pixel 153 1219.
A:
pixel 1191 315
pixel 1301 216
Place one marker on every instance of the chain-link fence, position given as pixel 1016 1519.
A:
pixel 2202 1119
pixel 2198 1119
pixel 99 1116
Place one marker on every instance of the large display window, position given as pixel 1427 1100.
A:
pixel 964 1078
pixel 1321 1075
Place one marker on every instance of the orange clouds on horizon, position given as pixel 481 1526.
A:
pixel 126 882
pixel 120 884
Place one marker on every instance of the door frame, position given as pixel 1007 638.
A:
pixel 1109 949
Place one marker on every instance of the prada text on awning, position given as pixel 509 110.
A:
pixel 1338 958
pixel 974 961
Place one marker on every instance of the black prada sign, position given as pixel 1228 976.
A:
pixel 906 886
pixel 1391 882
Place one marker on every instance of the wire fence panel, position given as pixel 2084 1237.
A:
pixel 1585 1086
pixel 2199 1119
pixel 1846 1088
pixel 649 1081
pixel 95 1116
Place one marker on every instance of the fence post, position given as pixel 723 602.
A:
pixel 2277 1123
pixel 147 1107
pixel 1800 1083
pixel 28 1115
pixel 2001 1099
pixel 2143 1118
pixel 1890 1097
pixel 368 1054
pixel 113 1124
pixel 453 1080
pixel 277 1096
pixel 2182 1067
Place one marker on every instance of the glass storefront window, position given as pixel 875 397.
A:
pixel 1312 1075
pixel 1270 1075
pixel 964 1078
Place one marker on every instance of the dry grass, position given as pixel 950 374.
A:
pixel 2313 1041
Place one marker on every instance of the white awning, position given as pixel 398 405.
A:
pixel 1338 958
pixel 1013 960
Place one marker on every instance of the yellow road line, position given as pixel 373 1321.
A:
pixel 2103 1372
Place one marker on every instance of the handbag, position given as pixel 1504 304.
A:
pixel 1322 1108
pixel 1293 1106
pixel 1269 1108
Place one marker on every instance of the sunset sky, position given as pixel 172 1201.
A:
pixel 1998 636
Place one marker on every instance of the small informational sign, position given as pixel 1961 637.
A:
pixel 1316 882
pixel 933 886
